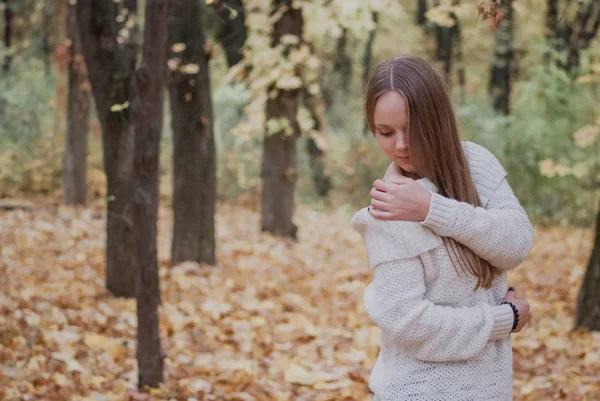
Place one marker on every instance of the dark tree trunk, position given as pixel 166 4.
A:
pixel 194 164
pixel 502 61
pixel 368 60
pixel 459 61
pixel 46 29
pixel 588 302
pixel 447 41
pixel 232 29
pixel 110 67
pixel 8 17
pixel 343 63
pixel 147 106
pixel 321 180
pixel 421 19
pixel 278 170
pixel 551 18
pixel 572 37
pixel 368 55
pixel 78 118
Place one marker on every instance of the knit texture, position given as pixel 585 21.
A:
pixel 440 339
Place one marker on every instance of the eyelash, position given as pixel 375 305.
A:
pixel 386 133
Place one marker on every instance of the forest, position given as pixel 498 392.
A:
pixel 177 179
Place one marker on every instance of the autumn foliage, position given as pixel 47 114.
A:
pixel 276 320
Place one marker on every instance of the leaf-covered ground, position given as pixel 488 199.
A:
pixel 276 320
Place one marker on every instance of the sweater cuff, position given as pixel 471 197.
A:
pixel 440 213
pixel 503 322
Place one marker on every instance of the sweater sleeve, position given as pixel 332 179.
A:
pixel 395 302
pixel 499 233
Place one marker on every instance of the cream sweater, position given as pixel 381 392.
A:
pixel 440 339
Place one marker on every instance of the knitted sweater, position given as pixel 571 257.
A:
pixel 440 339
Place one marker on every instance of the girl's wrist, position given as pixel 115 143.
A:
pixel 516 314
pixel 426 207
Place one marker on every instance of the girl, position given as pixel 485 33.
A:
pixel 442 230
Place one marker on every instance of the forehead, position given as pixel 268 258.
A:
pixel 391 109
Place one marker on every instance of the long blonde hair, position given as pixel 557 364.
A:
pixel 434 143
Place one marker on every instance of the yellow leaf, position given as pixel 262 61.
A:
pixel 119 107
pixel 586 136
pixel 178 47
pixel 189 69
pixel 299 375
pixel 557 343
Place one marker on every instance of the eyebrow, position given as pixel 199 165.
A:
pixel 382 125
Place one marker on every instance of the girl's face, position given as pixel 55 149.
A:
pixel 391 122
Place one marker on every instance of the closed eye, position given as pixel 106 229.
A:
pixel 386 133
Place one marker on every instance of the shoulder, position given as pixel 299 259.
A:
pixel 387 240
pixel 486 170
pixel 478 154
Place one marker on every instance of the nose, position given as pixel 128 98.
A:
pixel 402 142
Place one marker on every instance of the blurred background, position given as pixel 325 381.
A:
pixel 243 139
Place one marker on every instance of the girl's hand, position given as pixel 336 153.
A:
pixel 400 199
pixel 522 306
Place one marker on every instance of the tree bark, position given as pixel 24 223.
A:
pixel 321 180
pixel 588 302
pixel 368 60
pixel 447 40
pixel 343 63
pixel 8 17
pixel 551 18
pixel 110 65
pixel 278 170
pixel 147 106
pixel 572 37
pixel 194 164
pixel 500 75
pixel 46 29
pixel 421 19
pixel 78 118
pixel 232 29
pixel 368 55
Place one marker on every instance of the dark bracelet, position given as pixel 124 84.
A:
pixel 515 312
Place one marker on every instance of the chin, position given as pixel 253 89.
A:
pixel 409 168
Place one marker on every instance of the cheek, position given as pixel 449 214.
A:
pixel 386 144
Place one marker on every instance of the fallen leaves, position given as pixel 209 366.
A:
pixel 275 320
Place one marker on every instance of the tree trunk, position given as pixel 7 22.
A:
pixel 232 29
pixel 46 29
pixel 460 65
pixel 551 18
pixel 502 61
pixel 194 164
pixel 343 63
pixel 278 170
pixel 368 60
pixel 78 118
pixel 147 106
pixel 572 37
pixel 588 302
pixel 368 55
pixel 421 19
pixel 446 42
pixel 110 65
pixel 8 17
pixel 321 180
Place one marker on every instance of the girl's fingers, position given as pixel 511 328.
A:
pixel 378 214
pixel 377 204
